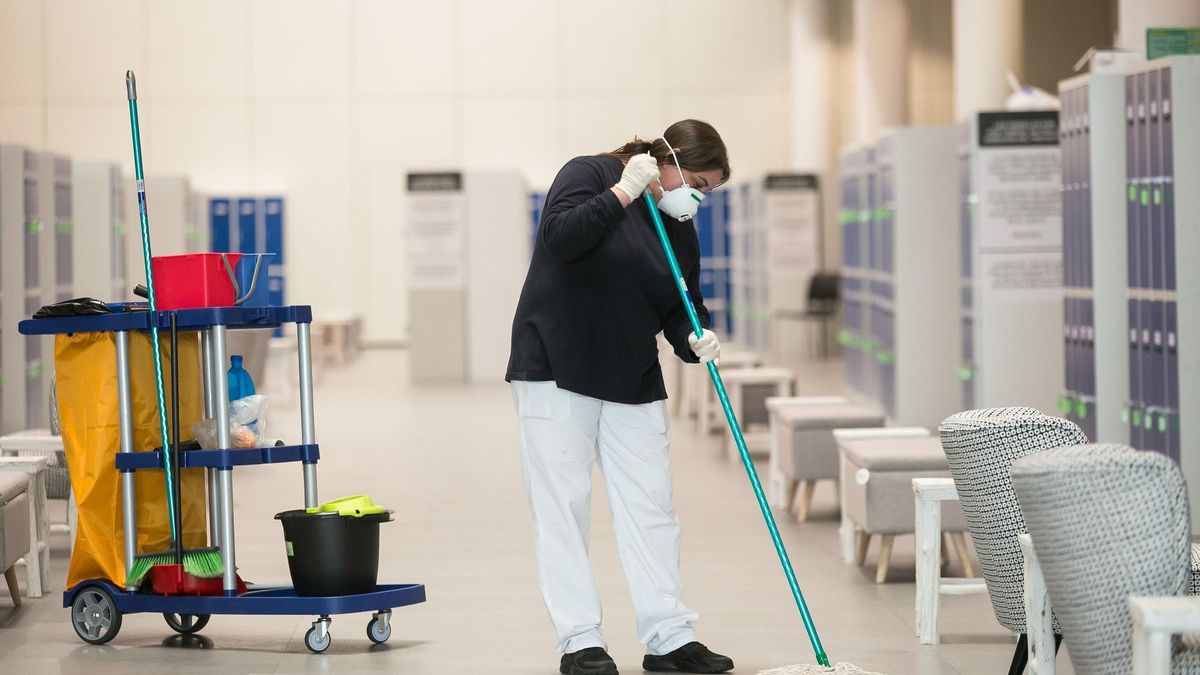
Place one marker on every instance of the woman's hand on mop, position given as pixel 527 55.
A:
pixel 639 171
pixel 706 347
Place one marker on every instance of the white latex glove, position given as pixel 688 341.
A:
pixel 706 347
pixel 639 171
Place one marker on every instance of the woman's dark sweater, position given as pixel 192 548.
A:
pixel 599 291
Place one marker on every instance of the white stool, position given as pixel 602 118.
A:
pixel 37 561
pixel 41 443
pixel 929 493
pixel 709 416
pixel 779 493
pixel 758 438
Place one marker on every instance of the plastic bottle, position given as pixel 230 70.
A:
pixel 241 384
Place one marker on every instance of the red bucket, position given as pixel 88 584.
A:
pixel 194 280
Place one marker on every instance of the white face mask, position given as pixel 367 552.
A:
pixel 683 202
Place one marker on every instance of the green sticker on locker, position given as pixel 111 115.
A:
pixel 1137 418
pixel 1162 424
pixel 1157 196
pixel 1148 422
pixel 1132 193
pixel 1064 405
pixel 1145 197
pixel 1125 415
pixel 1081 409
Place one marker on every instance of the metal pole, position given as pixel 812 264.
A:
pixel 308 433
pixel 210 475
pixel 128 486
pixel 224 476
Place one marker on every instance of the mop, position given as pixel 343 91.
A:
pixel 736 429
pixel 204 563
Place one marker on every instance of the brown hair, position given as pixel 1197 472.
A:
pixel 697 145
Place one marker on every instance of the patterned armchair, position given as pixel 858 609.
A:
pixel 1107 522
pixel 980 446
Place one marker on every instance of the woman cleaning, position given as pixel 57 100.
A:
pixel 589 390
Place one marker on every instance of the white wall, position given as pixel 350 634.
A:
pixel 331 102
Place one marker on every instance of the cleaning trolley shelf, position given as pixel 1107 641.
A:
pixel 98 605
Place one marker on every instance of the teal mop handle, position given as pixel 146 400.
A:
pixel 736 429
pixel 131 90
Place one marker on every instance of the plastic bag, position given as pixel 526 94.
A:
pixel 247 425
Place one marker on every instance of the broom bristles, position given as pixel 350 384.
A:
pixel 204 563
pixel 807 669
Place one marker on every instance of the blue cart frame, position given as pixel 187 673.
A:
pixel 97 604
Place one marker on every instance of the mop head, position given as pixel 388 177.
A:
pixel 839 669
pixel 203 563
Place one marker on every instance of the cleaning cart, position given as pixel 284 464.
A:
pixel 98 605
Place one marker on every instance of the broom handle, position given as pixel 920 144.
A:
pixel 131 90
pixel 736 429
pixel 176 456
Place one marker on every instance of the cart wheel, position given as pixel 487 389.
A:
pixel 186 624
pixel 95 616
pixel 317 641
pixel 378 631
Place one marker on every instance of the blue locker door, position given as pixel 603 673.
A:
pixel 1135 376
pixel 1131 182
pixel 220 219
pixel 273 222
pixel 247 225
pixel 1173 419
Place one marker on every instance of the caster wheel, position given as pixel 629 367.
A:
pixel 186 624
pixel 315 643
pixel 95 616
pixel 377 632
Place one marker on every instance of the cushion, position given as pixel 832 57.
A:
pixel 12 484
pixel 831 416
pixel 898 454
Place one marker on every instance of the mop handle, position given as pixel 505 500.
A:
pixel 736 429
pixel 131 90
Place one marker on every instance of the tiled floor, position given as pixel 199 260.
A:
pixel 445 459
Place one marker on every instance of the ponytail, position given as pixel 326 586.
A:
pixel 698 146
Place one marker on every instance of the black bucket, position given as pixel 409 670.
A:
pixel 331 554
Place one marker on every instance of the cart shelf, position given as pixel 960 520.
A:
pixel 221 459
pixel 187 319
pixel 257 600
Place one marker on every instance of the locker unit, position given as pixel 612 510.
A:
pixel 1091 134
pixel 459 225
pixel 712 228
pixel 1162 195
pixel 98 202
pixel 251 224
pixel 857 183
pixel 1011 260
pixel 39 178
pixel 55 245
pixel 14 228
pixel 746 306
pixel 791 214
pixel 911 295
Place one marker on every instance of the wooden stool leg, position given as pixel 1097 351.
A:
pixel 885 557
pixel 864 542
pixel 804 502
pixel 948 546
pixel 964 554
pixel 793 488
pixel 10 575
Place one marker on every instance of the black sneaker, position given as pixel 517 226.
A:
pixel 690 658
pixel 590 661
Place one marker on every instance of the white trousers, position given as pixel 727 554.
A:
pixel 562 435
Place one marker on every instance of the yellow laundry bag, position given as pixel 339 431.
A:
pixel 86 371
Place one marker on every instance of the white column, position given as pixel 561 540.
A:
pixel 987 42
pixel 1135 16
pixel 811 60
pixel 880 66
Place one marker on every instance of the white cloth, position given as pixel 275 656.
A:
pixel 562 434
